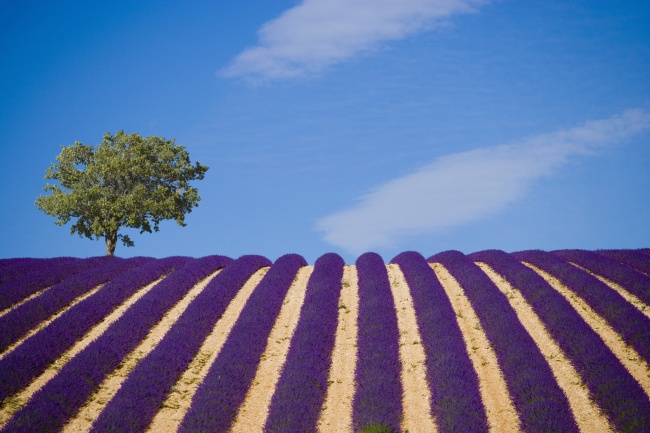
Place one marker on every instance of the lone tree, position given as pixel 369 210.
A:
pixel 125 181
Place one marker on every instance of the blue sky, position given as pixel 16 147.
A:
pixel 345 126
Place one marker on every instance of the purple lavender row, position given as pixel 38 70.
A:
pixel 19 321
pixel 53 405
pixel 632 280
pixel 610 385
pixel 541 404
pixel 8 262
pixel 217 400
pixel 302 387
pixel 29 268
pixel 455 396
pixel 33 356
pixel 143 393
pixel 632 325
pixel 44 276
pixel 635 258
pixel 13 268
pixel 378 396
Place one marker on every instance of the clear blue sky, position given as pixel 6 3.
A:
pixel 342 125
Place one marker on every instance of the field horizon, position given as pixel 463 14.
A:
pixel 488 341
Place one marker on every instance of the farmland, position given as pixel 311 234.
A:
pixel 529 341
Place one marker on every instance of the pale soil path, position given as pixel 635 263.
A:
pixel 82 421
pixel 253 412
pixel 15 402
pixel 29 298
pixel 44 323
pixel 336 414
pixel 501 413
pixel 169 417
pixel 629 297
pixel 416 398
pixel 630 359
pixel 587 415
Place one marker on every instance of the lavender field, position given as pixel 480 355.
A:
pixel 530 341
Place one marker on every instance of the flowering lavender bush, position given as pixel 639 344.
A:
pixel 29 283
pixel 14 268
pixel 632 325
pixel 33 356
pixel 217 400
pixel 455 397
pixel 632 280
pixel 19 321
pixel 302 387
pixel 378 396
pixel 610 385
pixel 66 393
pixel 144 391
pixel 541 404
pixel 637 259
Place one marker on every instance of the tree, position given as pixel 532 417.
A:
pixel 125 181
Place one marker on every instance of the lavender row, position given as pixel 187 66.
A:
pixel 44 276
pixel 11 269
pixel 217 400
pixel 33 356
pixel 610 385
pixel 143 393
pixel 6 264
pixel 637 259
pixel 541 404
pixel 632 280
pixel 378 396
pixel 19 321
pixel 302 387
pixel 52 406
pixel 632 325
pixel 455 396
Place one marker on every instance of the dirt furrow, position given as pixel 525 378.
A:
pixel 44 323
pixel 27 299
pixel 336 415
pixel 501 413
pixel 254 410
pixel 630 359
pixel 175 407
pixel 416 400
pixel 586 413
pixel 82 422
pixel 19 400
pixel 629 297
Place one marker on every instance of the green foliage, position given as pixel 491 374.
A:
pixel 125 181
pixel 377 428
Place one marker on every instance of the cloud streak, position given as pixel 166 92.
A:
pixel 463 187
pixel 318 33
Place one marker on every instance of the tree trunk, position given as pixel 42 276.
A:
pixel 111 241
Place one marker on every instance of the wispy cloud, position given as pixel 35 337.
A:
pixel 319 33
pixel 464 187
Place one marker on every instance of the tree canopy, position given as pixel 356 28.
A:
pixel 125 181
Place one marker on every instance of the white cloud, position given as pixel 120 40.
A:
pixel 318 33
pixel 463 187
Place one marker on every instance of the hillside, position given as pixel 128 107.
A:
pixel 491 341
